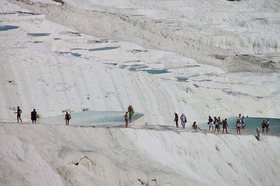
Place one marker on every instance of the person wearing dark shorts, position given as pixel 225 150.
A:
pixel 238 126
pixel 18 112
pixel 225 125
pixel 33 116
pixel 263 126
pixel 67 118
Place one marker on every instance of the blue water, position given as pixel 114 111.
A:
pixel 38 34
pixel 182 79
pixel 103 48
pixel 251 124
pixel 72 53
pixel 77 49
pixel 156 71
pixel 76 54
pixel 137 67
pixel 91 118
pixel 145 68
pixel 38 42
pixel 7 27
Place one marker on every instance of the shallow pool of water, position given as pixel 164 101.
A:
pixel 103 48
pixel 72 53
pixel 90 118
pixel 157 71
pixel 182 79
pixel 7 27
pixel 251 124
pixel 38 34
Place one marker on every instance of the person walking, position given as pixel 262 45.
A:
pixel 258 133
pixel 67 118
pixel 217 124
pixel 210 123
pixel 267 125
pixel 33 116
pixel 183 119
pixel 225 125
pixel 243 123
pixel 130 112
pixel 176 119
pixel 126 118
pixel 18 112
pixel 238 126
pixel 263 124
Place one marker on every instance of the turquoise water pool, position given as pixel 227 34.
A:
pixel 7 27
pixel 39 34
pixel 91 118
pixel 251 124
pixel 102 49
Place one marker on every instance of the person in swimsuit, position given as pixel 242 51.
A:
pixel 238 126
pixel 195 126
pixel 176 119
pixel 225 125
pixel 33 116
pixel 126 118
pixel 67 118
pixel 18 112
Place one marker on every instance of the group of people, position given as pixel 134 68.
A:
pixel 33 115
pixel 265 126
pixel 240 123
pixel 183 119
pixel 216 123
pixel 128 115
pixel 213 123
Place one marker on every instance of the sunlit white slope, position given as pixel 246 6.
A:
pixel 44 73
pixel 220 33
pixel 59 155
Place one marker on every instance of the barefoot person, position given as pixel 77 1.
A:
pixel 258 133
pixel 130 112
pixel 33 116
pixel 267 126
pixel 176 119
pixel 238 126
pixel 225 125
pixel 18 112
pixel 126 119
pixel 263 124
pixel 210 123
pixel 195 126
pixel 183 119
pixel 67 118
